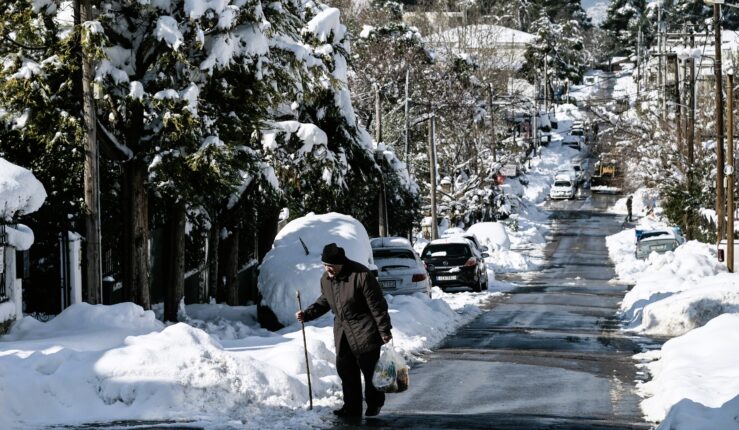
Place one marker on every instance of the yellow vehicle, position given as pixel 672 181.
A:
pixel 607 177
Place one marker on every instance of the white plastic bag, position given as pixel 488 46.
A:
pixel 391 372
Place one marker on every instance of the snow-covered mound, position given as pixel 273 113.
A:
pixel 673 292
pixel 288 267
pixel 695 382
pixel 106 363
pixel 20 192
pixel 683 311
pixel 491 234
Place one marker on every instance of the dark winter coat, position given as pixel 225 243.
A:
pixel 628 203
pixel 359 307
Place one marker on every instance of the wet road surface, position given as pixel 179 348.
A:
pixel 547 355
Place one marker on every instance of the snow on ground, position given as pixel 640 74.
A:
pixel 695 381
pixel 673 292
pixel 105 363
pixel 685 293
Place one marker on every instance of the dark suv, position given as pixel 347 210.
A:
pixel 455 262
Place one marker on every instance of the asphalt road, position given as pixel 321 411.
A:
pixel 548 355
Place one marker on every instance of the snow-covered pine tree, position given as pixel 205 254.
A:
pixel 185 92
pixel 624 18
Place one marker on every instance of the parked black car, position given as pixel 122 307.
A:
pixel 455 262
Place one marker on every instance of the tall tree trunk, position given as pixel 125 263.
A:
pixel 214 238
pixel 93 267
pixel 136 234
pixel 231 271
pixel 129 289
pixel 267 230
pixel 174 261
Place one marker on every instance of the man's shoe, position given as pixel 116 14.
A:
pixel 372 411
pixel 346 413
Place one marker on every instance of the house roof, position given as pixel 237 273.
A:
pixel 482 36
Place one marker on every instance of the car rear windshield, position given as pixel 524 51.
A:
pixel 647 234
pixel 562 184
pixel 380 254
pixel 448 250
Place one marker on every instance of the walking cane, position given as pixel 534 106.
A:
pixel 305 348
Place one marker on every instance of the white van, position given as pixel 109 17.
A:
pixel 563 187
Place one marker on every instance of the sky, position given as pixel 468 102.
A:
pixel 596 9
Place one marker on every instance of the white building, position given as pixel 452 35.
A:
pixel 20 194
pixel 491 46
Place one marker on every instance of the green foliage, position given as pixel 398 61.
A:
pixel 684 196
pixel 561 45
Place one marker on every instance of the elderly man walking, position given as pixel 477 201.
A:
pixel 361 327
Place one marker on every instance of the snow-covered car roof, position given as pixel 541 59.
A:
pixel 450 240
pixel 294 262
pixel 454 231
pixel 390 242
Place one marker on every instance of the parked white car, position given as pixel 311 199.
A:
pixel 399 268
pixel 659 241
pixel 563 188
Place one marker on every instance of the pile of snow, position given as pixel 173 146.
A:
pixel 695 384
pixel 686 293
pixel 491 234
pixel 294 262
pixel 107 363
pixel 20 192
pixel 673 292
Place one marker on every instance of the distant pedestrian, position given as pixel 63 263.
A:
pixel 361 327
pixel 628 209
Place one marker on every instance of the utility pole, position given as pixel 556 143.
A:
pixel 638 64
pixel 492 122
pixel 546 84
pixel 660 78
pixel 407 126
pixel 691 106
pixel 730 172
pixel 382 207
pixel 93 272
pixel 378 115
pixel 720 199
pixel 432 170
pixel 678 105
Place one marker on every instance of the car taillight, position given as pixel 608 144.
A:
pixel 471 262
pixel 418 277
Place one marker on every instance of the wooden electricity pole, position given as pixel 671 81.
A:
pixel 432 171
pixel 720 199
pixel 730 172
pixel 381 208
pixel 93 272
pixel 492 122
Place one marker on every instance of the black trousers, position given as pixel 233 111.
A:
pixel 350 367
